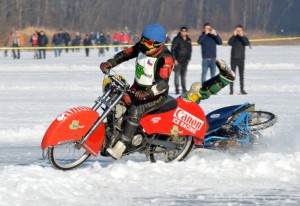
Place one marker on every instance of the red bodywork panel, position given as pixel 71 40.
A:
pixel 73 125
pixel 186 119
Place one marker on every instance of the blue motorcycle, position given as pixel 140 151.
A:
pixel 236 127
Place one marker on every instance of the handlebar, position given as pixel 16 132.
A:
pixel 122 85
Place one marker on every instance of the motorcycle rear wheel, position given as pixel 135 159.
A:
pixel 66 156
pixel 259 120
pixel 184 146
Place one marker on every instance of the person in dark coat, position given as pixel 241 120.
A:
pixel 107 40
pixel 57 41
pixel 101 40
pixel 87 42
pixel 42 42
pixel 238 42
pixel 92 37
pixel 209 39
pixel 182 51
pixel 66 38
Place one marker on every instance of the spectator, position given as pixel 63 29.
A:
pixel 101 41
pixel 34 43
pixel 78 43
pixel 136 39
pixel 97 38
pixel 66 39
pixel 168 39
pixel 42 42
pixel 116 40
pixel 173 34
pixel 182 50
pixel 74 42
pixel 6 43
pixel 93 38
pixel 126 40
pixel 16 40
pixel 238 42
pixel 57 41
pixel 108 40
pixel 208 41
pixel 87 42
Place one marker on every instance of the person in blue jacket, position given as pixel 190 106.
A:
pixel 209 39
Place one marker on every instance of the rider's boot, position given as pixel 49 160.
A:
pixel 129 129
pixel 117 151
pixel 215 84
pixel 225 70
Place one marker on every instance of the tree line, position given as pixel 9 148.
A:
pixel 264 15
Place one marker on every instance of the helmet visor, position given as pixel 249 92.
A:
pixel 148 46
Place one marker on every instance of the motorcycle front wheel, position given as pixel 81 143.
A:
pixel 66 156
pixel 259 120
pixel 183 147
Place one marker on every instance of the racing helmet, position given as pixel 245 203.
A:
pixel 194 93
pixel 107 81
pixel 152 38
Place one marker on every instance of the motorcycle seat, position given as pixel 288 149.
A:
pixel 220 116
pixel 170 104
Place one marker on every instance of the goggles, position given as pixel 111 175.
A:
pixel 150 43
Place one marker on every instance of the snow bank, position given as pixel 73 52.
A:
pixel 24 134
pixel 129 183
pixel 34 92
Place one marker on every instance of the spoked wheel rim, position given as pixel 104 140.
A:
pixel 66 156
pixel 183 148
pixel 260 120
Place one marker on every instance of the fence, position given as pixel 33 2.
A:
pixel 122 45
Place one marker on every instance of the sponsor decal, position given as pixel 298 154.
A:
pixel 187 121
pixel 68 113
pixel 140 71
pixel 174 130
pixel 149 62
pixel 155 120
pixel 215 116
pixel 75 125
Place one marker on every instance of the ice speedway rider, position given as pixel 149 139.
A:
pixel 154 65
pixel 153 68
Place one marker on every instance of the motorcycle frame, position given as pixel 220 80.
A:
pixel 241 123
pixel 109 104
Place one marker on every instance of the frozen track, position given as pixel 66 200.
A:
pixel 34 92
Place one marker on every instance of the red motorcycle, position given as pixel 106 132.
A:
pixel 166 134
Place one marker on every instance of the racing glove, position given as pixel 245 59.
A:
pixel 143 95
pixel 105 67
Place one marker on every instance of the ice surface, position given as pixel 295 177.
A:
pixel 34 92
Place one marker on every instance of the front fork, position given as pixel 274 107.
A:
pixel 109 105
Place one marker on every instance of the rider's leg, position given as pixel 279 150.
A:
pixel 203 91
pixel 135 114
pixel 215 84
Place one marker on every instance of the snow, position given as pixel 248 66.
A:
pixel 34 92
